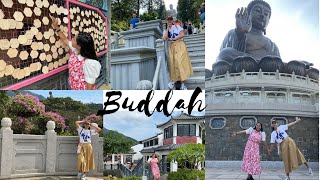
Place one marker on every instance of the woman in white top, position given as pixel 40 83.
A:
pixel 179 61
pixel 85 151
pixel 251 155
pixel 291 155
pixel 83 64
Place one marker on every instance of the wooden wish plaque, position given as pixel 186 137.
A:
pixel 29 46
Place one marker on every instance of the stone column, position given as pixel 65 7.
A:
pixel 162 58
pixel 121 159
pixel 112 159
pixel 51 153
pixel 6 147
pixel 95 146
pixel 173 166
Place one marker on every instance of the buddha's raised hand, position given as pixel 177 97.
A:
pixel 243 21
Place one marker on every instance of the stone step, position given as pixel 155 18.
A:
pixel 198 42
pixel 199 45
pixel 202 35
pixel 196 48
pixel 196 51
pixel 198 63
pixel 195 81
pixel 198 71
pixel 194 38
pixel 195 56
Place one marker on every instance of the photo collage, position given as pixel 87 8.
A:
pixel 154 90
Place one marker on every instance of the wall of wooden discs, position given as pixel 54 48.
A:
pixel 87 20
pixel 28 44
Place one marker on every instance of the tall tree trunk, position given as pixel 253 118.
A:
pixel 138 8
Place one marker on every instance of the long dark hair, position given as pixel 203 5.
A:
pixel 261 129
pixel 85 41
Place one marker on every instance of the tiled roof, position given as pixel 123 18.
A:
pixel 170 147
pixel 148 150
pixel 162 148
pixel 150 138
pixel 182 116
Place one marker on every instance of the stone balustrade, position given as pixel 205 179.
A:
pixel 258 79
pixel 42 155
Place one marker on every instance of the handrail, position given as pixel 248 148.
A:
pixel 156 74
pixel 160 58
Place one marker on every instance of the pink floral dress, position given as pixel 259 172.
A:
pixel 76 74
pixel 251 155
pixel 154 167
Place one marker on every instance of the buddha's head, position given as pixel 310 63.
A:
pixel 171 6
pixel 260 12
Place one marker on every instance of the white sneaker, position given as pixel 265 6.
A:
pixel 79 175
pixel 183 87
pixel 171 84
pixel 83 177
pixel 287 178
pixel 310 172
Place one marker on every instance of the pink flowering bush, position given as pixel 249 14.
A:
pixel 26 106
pixel 95 119
pixel 21 125
pixel 41 122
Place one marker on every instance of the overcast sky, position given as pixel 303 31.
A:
pixel 83 96
pixel 137 125
pixel 294 27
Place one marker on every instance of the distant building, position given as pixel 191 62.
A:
pixel 176 132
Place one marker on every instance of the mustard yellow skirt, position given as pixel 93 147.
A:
pixel 179 63
pixel 85 158
pixel 291 155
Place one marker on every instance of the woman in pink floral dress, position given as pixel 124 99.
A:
pixel 153 161
pixel 251 155
pixel 84 68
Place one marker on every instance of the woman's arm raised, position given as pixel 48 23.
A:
pixel 55 26
pixel 295 122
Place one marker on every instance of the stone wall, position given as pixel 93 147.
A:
pixel 38 155
pixel 220 146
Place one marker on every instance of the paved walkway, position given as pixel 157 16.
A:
pixel 267 174
pixel 58 178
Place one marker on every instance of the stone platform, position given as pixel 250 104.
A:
pixel 267 174
pixel 58 178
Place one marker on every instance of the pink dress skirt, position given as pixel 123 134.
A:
pixel 251 155
pixel 154 167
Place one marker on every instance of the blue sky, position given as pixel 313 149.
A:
pixel 83 96
pixel 137 125
pixel 294 27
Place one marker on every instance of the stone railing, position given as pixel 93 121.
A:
pixel 266 79
pixel 262 96
pixel 42 155
pixel 142 63
pixel 161 75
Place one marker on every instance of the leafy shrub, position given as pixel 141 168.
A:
pixel 194 154
pixel 21 125
pixel 95 119
pixel 41 122
pixel 187 174
pixel 111 173
pixel 26 106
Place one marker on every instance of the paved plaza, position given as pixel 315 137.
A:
pixel 266 174
pixel 59 178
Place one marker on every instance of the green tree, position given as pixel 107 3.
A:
pixel 116 143
pixel 194 154
pixel 71 110
pixel 188 10
pixel 4 101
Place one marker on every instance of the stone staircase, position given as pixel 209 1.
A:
pixel 196 48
